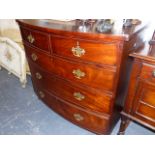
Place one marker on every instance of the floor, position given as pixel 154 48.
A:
pixel 22 113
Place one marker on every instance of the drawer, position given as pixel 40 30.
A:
pixel 95 123
pixel 39 58
pixel 104 53
pixel 144 102
pixel 148 72
pixel 96 77
pixel 36 39
pixel 87 98
pixel 146 111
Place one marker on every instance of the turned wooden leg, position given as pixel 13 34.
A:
pixel 124 124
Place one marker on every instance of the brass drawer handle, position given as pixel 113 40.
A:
pixel 78 51
pixel 78 117
pixel 78 73
pixel 41 94
pixel 30 38
pixel 38 76
pixel 78 96
pixel 153 73
pixel 34 56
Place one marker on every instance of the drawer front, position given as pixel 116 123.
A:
pixel 37 39
pixel 39 58
pixel 95 123
pixel 144 103
pixel 96 77
pixel 148 72
pixel 104 53
pixel 87 98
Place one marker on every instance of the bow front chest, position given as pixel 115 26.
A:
pixel 80 74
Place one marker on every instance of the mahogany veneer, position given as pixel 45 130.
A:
pixel 140 100
pixel 80 75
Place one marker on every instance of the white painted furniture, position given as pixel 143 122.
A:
pixel 12 55
pixel 12 58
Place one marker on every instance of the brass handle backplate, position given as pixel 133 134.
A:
pixel 78 51
pixel 78 73
pixel 78 117
pixel 34 57
pixel 41 94
pixel 30 38
pixel 78 96
pixel 153 73
pixel 38 76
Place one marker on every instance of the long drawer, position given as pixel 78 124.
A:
pixel 99 78
pixel 104 53
pixel 90 75
pixel 77 115
pixel 86 98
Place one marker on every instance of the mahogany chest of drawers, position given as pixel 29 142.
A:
pixel 79 75
pixel 140 100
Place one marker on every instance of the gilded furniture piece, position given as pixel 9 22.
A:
pixel 79 75
pixel 12 54
pixel 140 100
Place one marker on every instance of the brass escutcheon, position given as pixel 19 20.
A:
pixel 78 73
pixel 30 38
pixel 38 76
pixel 78 96
pixel 41 94
pixel 78 51
pixel 78 117
pixel 34 57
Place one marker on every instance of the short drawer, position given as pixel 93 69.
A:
pixel 148 72
pixel 36 39
pixel 104 53
pixel 87 98
pixel 39 58
pixel 96 77
pixel 95 123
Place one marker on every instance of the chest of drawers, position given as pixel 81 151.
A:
pixel 78 74
pixel 140 100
